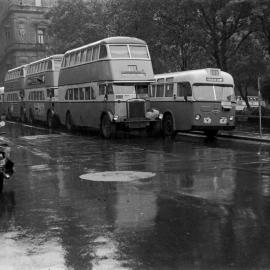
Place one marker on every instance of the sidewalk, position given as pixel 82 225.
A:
pixel 245 135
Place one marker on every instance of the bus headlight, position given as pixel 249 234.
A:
pixel 197 117
pixel 231 118
pixel 160 116
pixel 115 117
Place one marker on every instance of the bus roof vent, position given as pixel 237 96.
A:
pixel 213 71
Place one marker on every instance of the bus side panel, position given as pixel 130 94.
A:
pixel 181 111
pixel 84 114
pixel 183 115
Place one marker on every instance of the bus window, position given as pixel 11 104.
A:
pixel 78 58
pixel 95 53
pixel 84 53
pixel 81 94
pixel 87 93
pixel 160 88
pixel 70 94
pixel 67 61
pixel 213 92
pixel 169 87
pixel 109 89
pixel 89 55
pixel 93 96
pixel 142 90
pixel 102 89
pixel 76 94
pixel 225 93
pixel 138 51
pixel 72 59
pixel 103 52
pixel 184 89
pixel 153 91
pixel 119 51
pixel 66 95
pixel 49 65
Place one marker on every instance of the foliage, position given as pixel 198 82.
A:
pixel 74 23
pixel 233 35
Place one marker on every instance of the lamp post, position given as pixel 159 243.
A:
pixel 260 108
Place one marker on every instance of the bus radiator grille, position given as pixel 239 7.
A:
pixel 136 109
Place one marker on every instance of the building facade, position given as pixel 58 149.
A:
pixel 23 32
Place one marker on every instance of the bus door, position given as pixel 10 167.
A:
pixel 183 106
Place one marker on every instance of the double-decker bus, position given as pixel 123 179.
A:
pixel 202 99
pixel 14 85
pixel 103 85
pixel 41 87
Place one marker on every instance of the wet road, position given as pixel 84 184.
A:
pixel 79 202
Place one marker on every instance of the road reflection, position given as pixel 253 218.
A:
pixel 206 206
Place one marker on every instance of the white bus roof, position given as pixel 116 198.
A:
pixel 207 75
pixel 16 68
pixel 111 40
pixel 46 58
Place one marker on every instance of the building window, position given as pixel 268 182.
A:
pixel 40 36
pixel 38 3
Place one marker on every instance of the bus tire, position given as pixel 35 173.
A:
pixel 107 128
pixel 1 182
pixel 211 133
pixel 167 126
pixel 68 123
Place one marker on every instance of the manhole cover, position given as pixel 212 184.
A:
pixel 117 176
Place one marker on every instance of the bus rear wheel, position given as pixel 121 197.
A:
pixel 107 128
pixel 167 126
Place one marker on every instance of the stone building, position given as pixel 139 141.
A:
pixel 23 32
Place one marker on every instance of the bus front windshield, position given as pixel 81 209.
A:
pixel 213 92
pixel 123 88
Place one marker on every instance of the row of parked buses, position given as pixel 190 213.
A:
pixel 110 85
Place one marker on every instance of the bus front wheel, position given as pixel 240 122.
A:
pixel 167 126
pixel 107 128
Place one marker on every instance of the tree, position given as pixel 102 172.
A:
pixel 223 27
pixel 246 66
pixel 75 23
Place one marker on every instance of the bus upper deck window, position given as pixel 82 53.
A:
pixel 138 51
pixel 102 52
pixel 119 51
pixel 95 53
pixel 83 58
pixel 89 54
pixel 49 65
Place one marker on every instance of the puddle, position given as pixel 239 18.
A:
pixel 117 176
